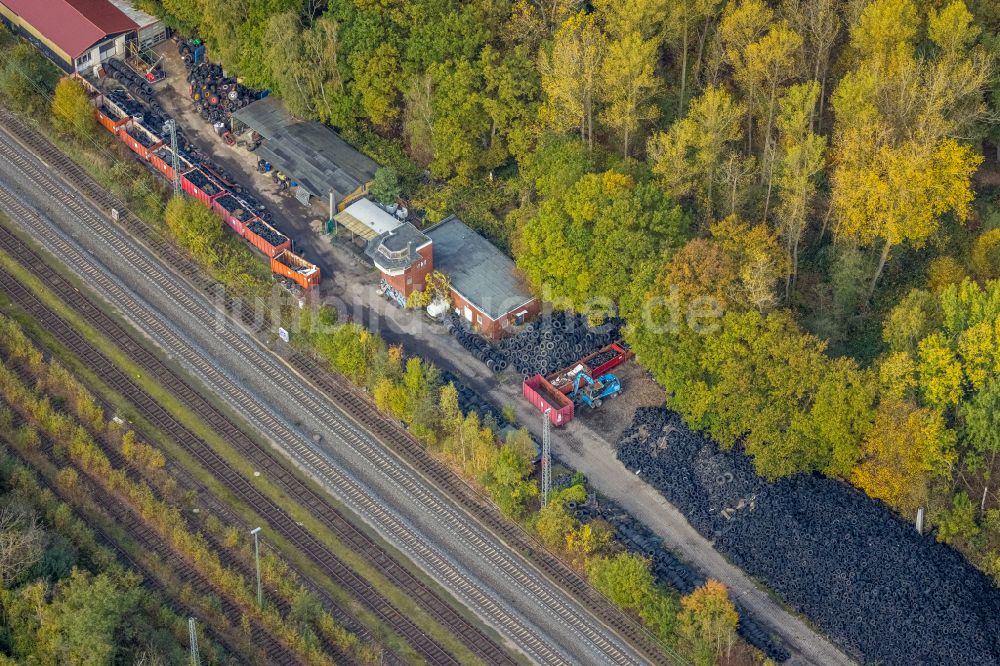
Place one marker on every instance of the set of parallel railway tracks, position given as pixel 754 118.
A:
pixel 277 518
pixel 350 401
pixel 147 539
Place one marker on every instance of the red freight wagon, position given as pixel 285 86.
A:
pixel 543 396
pixel 201 187
pixel 233 211
pixel 108 115
pixel 595 365
pixel 265 237
pixel 162 160
pixel 294 267
pixel 139 140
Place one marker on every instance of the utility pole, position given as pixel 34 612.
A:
pixel 256 556
pixel 171 127
pixel 193 641
pixel 546 457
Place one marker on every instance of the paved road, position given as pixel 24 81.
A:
pixel 502 588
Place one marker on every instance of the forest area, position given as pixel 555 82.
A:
pixel 793 204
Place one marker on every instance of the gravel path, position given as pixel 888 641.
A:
pixel 500 586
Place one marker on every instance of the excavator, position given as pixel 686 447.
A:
pixel 592 392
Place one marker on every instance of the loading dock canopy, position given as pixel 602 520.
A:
pixel 310 153
pixel 364 218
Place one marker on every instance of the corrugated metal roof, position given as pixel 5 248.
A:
pixel 311 153
pixel 72 25
pixel 141 18
pixel 478 270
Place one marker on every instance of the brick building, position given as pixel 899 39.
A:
pixel 485 289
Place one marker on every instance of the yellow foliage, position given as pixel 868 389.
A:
pixel 905 449
pixel 942 272
pixel 708 622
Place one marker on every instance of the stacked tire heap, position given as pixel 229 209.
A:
pixel 669 570
pixel 469 400
pixel 476 344
pixel 266 233
pixel 861 574
pixel 554 342
pixel 216 96
pixel 136 85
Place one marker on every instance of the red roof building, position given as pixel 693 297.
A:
pixel 76 34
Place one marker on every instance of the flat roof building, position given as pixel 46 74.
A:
pixel 77 35
pixel 308 152
pixel 366 219
pixel 485 289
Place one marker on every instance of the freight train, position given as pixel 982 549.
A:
pixel 116 113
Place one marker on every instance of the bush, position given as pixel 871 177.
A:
pixel 986 255
pixel 942 272
pixel 386 187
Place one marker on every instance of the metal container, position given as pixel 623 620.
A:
pixel 235 213
pixel 266 238
pixel 296 268
pixel 163 161
pixel 139 140
pixel 201 187
pixel 540 393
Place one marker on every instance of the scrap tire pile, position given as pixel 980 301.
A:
pixel 475 343
pixel 136 85
pixel 669 570
pixel 554 342
pixel 470 401
pixel 216 96
pixel 866 578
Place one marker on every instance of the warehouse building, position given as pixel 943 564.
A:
pixel 310 153
pixel 77 35
pixel 485 289
pixel 151 30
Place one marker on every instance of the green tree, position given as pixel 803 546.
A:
pixel 798 162
pixel 508 483
pixel 385 188
pixel 688 155
pixel 26 80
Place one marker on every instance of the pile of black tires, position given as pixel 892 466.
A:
pixel 470 401
pixel 865 577
pixel 136 85
pixel 216 96
pixel 555 341
pixel 477 345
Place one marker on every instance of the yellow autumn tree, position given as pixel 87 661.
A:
pixel 907 447
pixel 707 622
pixel 898 167
pixel 628 84
pixel 72 111
pixel 570 71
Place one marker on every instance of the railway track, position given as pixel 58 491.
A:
pixel 350 399
pixel 149 540
pixel 351 431
pixel 187 482
pixel 277 519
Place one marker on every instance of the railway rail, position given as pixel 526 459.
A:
pixel 277 519
pixel 389 434
pixel 147 539
pixel 58 328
